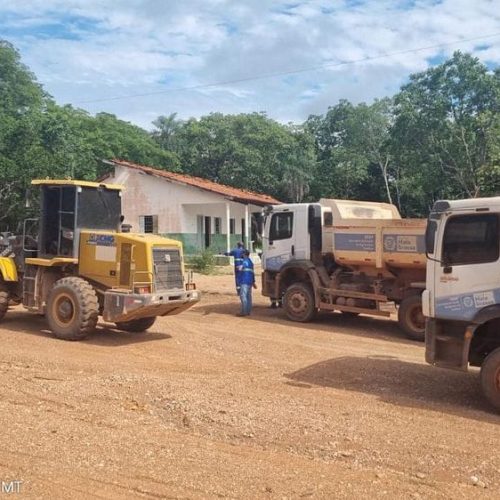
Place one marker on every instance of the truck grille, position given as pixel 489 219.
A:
pixel 167 269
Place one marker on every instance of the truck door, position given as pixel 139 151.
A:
pixel 286 237
pixel 467 276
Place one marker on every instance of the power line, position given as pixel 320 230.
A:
pixel 291 72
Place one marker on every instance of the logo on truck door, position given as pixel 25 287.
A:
pixel 465 306
pixel 275 263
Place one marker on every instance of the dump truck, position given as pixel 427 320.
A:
pixel 74 263
pixel 347 256
pixel 462 297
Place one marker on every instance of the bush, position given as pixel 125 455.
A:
pixel 203 263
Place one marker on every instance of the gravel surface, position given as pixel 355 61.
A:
pixel 209 405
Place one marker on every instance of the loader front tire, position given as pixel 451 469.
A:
pixel 136 325
pixel 72 309
pixel 4 300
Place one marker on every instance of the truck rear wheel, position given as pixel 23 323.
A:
pixel 299 303
pixel 490 378
pixel 411 318
pixel 72 309
pixel 4 301
pixel 136 325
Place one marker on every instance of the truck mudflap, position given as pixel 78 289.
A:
pixel 447 343
pixel 120 306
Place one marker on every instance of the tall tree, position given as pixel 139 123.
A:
pixel 38 138
pixel 349 141
pixel 248 151
pixel 166 127
pixel 444 119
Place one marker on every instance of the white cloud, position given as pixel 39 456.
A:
pixel 85 50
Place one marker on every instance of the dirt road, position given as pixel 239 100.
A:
pixel 210 405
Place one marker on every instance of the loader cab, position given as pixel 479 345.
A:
pixel 67 207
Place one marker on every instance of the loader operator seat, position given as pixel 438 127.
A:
pixel 64 248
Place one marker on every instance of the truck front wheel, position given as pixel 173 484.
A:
pixel 411 319
pixel 72 309
pixel 136 325
pixel 299 303
pixel 490 378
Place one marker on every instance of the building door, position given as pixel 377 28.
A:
pixel 208 231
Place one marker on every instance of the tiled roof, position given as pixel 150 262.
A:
pixel 241 195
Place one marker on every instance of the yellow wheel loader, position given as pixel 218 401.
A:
pixel 81 263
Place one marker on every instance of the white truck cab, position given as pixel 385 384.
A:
pixel 462 296
pixel 286 235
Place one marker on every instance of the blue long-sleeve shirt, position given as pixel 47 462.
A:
pixel 247 274
pixel 237 254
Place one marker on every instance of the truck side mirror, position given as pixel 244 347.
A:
pixel 430 237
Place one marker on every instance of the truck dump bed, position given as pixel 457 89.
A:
pixel 380 239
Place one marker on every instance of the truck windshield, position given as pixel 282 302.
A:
pixel 471 239
pixel 281 226
pixel 99 208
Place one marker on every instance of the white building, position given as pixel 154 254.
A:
pixel 200 213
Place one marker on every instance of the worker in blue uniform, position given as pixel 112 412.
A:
pixel 247 282
pixel 237 255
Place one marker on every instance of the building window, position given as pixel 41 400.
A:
pixel 217 225
pixel 232 226
pixel 148 224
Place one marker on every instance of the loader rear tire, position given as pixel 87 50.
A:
pixel 136 325
pixel 299 303
pixel 490 378
pixel 411 319
pixel 72 309
pixel 4 301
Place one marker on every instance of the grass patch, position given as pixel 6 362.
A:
pixel 204 263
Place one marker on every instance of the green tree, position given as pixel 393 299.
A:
pixel 40 139
pixel 351 146
pixel 166 128
pixel 444 123
pixel 249 151
pixel 21 102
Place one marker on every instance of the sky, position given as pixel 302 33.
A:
pixel 141 59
